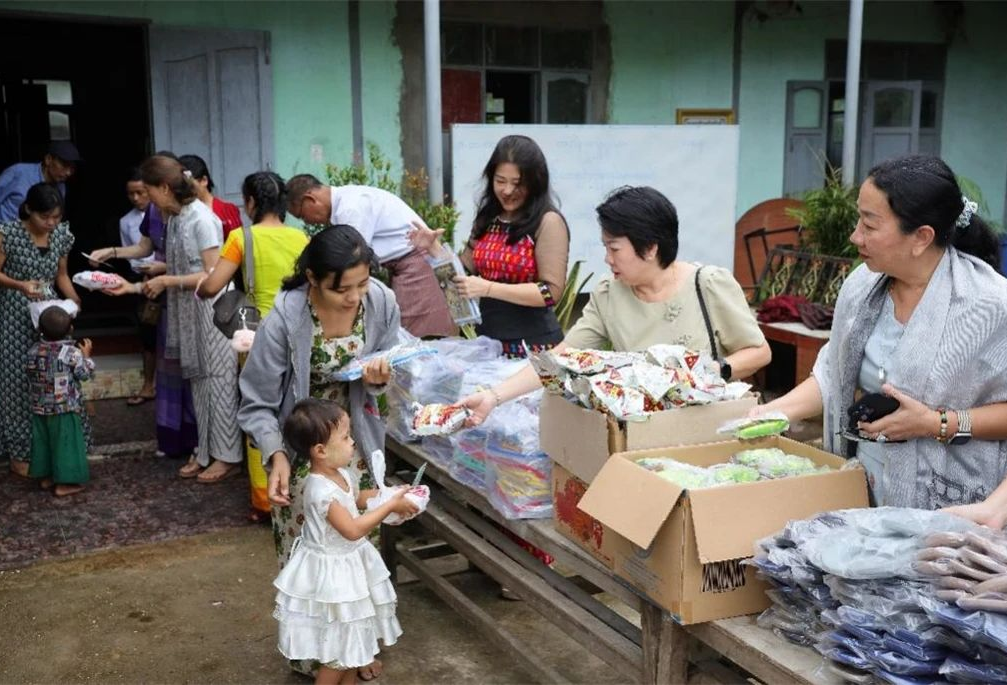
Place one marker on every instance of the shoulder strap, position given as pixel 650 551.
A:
pixel 706 315
pixel 249 264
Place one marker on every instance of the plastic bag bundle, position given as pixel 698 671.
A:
pixel 436 378
pixel 518 473
pixel 968 569
pixel 439 449
pixel 960 670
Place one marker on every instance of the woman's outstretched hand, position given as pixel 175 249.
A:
pixel 278 487
pixel 481 404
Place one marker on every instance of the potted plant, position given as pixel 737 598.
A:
pixel 828 217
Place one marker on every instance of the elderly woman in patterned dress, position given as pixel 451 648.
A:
pixel 33 255
pixel 329 313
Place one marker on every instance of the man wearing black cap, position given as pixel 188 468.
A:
pixel 59 164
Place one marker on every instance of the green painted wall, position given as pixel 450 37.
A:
pixel 668 55
pixel 311 66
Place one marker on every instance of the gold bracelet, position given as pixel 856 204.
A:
pixel 496 396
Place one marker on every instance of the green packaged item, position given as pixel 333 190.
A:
pixel 772 462
pixel 762 429
pixel 733 473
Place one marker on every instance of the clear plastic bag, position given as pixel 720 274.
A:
pixel 960 670
pixel 518 473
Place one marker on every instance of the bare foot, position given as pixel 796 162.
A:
pixel 66 490
pixel 45 483
pixel 370 671
pixel 19 468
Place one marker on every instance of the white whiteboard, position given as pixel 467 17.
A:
pixel 696 167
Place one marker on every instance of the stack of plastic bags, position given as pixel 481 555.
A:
pixel 849 583
pixel 910 604
pixel 500 458
pixel 631 385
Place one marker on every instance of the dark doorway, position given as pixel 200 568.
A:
pixel 87 82
pixel 514 94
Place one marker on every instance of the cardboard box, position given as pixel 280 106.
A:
pixel 572 523
pixel 581 440
pixel 687 545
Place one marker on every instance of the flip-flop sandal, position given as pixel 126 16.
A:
pixel 192 469
pixel 231 470
pixel 137 400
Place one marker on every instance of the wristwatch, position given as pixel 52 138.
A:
pixel 964 433
pixel 725 369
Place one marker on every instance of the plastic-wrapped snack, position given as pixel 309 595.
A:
pixel 418 495
pixel 937 567
pixel 989 601
pixel 654 381
pixel 962 569
pixel 623 403
pixel 673 356
pixel 954 583
pixel 844 656
pixel 578 361
pixel 935 553
pixel 552 375
pixel 773 462
pixel 990 543
pixel 893 662
pixel 949 539
pixel 771 423
pixel 981 561
pixel 97 280
pixel 997 583
pixel 733 473
pixel 915 651
pixel 439 419
pixel 686 475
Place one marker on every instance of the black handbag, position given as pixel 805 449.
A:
pixel 234 309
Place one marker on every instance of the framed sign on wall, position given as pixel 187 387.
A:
pixel 704 116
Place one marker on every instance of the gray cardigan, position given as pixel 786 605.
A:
pixel 277 373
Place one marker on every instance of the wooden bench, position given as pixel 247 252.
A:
pixel 654 649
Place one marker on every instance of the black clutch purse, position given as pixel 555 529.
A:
pixel 870 407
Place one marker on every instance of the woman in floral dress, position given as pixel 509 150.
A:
pixel 327 314
pixel 33 255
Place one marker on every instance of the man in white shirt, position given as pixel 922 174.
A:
pixel 129 234
pixel 384 220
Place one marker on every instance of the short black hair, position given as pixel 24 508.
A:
pixel 54 323
pixel 299 185
pixel 41 198
pixel 311 423
pixel 135 175
pixel 643 216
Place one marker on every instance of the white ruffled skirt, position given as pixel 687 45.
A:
pixel 334 607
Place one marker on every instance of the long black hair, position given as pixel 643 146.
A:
pixel 41 198
pixel 923 191
pixel 334 250
pixel 269 193
pixel 527 156
pixel 197 167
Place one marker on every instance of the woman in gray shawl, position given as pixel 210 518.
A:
pixel 924 321
pixel 328 314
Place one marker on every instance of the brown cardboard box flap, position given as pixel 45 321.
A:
pixel 576 449
pixel 630 500
pixel 728 520
pixel 685 425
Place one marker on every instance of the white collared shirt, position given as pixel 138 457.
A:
pixel 382 218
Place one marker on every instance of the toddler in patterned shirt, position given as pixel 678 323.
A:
pixel 56 367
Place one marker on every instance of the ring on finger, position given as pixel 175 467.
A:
pixel 881 438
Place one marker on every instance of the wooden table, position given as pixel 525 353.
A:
pixel 658 650
pixel 806 341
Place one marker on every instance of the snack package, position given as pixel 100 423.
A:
pixel 463 310
pixel 772 462
pixel 439 419
pixel 770 423
pixel 626 404
pixel 97 280
pixel 724 474
pixel 418 495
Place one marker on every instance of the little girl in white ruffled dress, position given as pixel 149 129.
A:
pixel 334 599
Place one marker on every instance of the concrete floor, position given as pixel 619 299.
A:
pixel 198 610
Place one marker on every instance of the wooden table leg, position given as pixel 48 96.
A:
pixel 665 647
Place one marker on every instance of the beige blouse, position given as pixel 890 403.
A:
pixel 615 315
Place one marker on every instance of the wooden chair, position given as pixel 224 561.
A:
pixel 757 232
